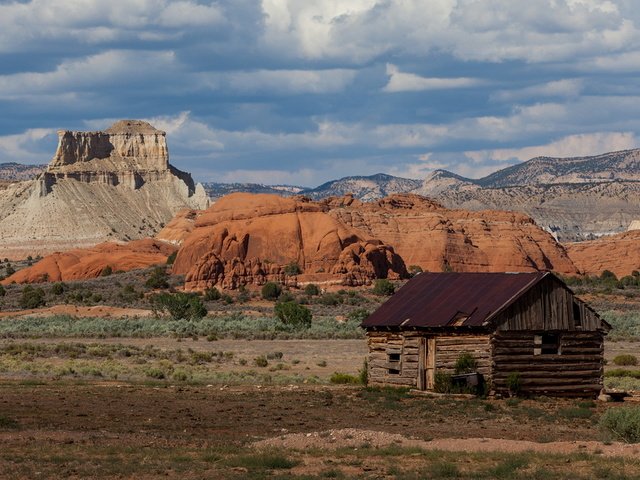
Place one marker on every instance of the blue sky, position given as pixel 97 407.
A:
pixel 303 91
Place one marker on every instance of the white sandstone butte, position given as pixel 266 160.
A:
pixel 99 186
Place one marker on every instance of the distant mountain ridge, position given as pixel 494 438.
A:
pixel 366 188
pixel 17 172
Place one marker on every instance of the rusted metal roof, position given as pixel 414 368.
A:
pixel 451 299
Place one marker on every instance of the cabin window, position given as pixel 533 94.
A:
pixel 546 344
pixel 394 357
pixel 394 371
pixel 577 315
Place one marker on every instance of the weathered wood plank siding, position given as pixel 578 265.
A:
pixel 384 344
pixel 450 347
pixel 547 306
pixel 576 371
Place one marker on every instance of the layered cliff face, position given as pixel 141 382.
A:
pixel 251 239
pixel 78 264
pixel 619 254
pixel 100 186
pixel 426 234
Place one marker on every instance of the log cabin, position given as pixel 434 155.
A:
pixel 523 330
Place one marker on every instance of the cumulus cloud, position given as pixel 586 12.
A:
pixel 27 147
pixel 569 146
pixel 410 82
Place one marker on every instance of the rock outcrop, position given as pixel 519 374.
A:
pixel 100 186
pixel 619 254
pixel 179 227
pixel 426 234
pixel 80 264
pixel 250 239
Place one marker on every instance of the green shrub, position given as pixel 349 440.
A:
pixel 364 373
pixel 343 378
pixel 172 258
pixel 312 290
pixel 358 315
pixel 292 269
pixel 158 279
pixel 465 364
pixel 383 287
pixel 3 292
pixel 625 360
pixel 31 297
pixel 290 313
pixel 179 306
pixel 106 271
pixel 331 299
pixel 9 269
pixel 58 288
pixel 226 298
pixel 286 297
pixel 271 291
pixel 212 294
pixel 442 383
pixel 514 383
pixel 622 423
pixel 414 270
pixel 261 361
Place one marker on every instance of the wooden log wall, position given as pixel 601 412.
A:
pixel 381 345
pixel 449 348
pixel 575 372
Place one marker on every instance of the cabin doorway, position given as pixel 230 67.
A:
pixel 426 363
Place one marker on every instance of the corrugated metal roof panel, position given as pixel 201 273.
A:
pixel 451 299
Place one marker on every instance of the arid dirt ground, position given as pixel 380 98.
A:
pixel 110 430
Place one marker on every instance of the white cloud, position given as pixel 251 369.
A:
pixel 409 82
pixel 24 147
pixel 569 146
pixel 570 87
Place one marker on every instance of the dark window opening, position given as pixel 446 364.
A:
pixel 577 316
pixel 394 357
pixel 550 344
pixel 394 371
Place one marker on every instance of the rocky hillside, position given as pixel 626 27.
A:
pixel 217 190
pixel 619 254
pixel 367 189
pixel 249 239
pixel 16 172
pixel 99 186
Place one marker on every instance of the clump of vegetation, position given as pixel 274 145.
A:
pixel 158 279
pixel 32 297
pixel 271 291
pixel 363 374
pixel 465 363
pixel 106 271
pixel 58 288
pixel 292 269
pixel 442 383
pixel 291 313
pixel 358 315
pixel 261 361
pixel 312 290
pixel 383 287
pixel 128 294
pixel 514 384
pixel 179 306
pixel 622 423
pixel 343 378
pixel 3 292
pixel 625 360
pixel 172 258
pixel 212 294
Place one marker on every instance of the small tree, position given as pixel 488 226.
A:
pixel 212 294
pixel 106 271
pixel 271 291
pixel 58 288
pixel 9 269
pixel 290 313
pixel 179 306
pixel 312 290
pixel 158 279
pixel 383 287
pixel 465 364
pixel 31 297
pixel 172 258
pixel 292 269
pixel 3 292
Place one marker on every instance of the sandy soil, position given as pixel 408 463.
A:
pixel 79 311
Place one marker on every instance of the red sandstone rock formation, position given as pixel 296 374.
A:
pixel 619 254
pixel 179 227
pixel 86 263
pixel 426 234
pixel 250 239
